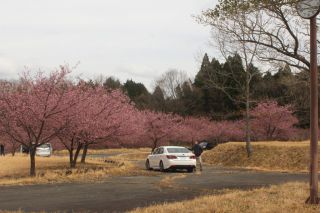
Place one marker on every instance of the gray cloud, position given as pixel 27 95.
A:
pixel 127 39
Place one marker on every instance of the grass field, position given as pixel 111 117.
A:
pixel 280 156
pixel 288 197
pixel 131 156
pixel 111 151
pixel 15 170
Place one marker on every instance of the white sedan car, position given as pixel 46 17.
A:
pixel 171 157
pixel 45 150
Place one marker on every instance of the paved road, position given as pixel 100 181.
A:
pixel 125 193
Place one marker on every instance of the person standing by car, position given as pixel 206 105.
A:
pixel 197 150
pixel 1 150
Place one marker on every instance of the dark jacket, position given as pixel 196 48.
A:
pixel 197 150
pixel 1 149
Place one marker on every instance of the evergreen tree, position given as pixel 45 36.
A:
pixel 138 93
pixel 134 89
pixel 158 102
pixel 112 83
pixel 211 100
pixel 205 70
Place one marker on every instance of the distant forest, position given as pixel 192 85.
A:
pixel 175 92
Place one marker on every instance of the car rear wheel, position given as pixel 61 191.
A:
pixel 161 166
pixel 148 165
pixel 190 170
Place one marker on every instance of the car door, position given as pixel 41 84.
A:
pixel 152 158
pixel 159 156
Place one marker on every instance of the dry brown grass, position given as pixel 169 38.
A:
pixel 279 143
pixel 169 181
pixel 110 151
pixel 120 150
pixel 20 211
pixel 130 156
pixel 15 170
pixel 288 197
pixel 279 156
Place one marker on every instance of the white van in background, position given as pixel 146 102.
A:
pixel 45 150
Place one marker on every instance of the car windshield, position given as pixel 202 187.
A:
pixel 178 150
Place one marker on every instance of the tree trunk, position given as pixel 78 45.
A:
pixel 155 143
pixel 84 153
pixel 75 157
pixel 73 164
pixel 71 157
pixel 32 160
pixel 248 136
pixel 13 151
pixel 248 129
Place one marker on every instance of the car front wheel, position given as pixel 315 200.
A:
pixel 148 165
pixel 161 166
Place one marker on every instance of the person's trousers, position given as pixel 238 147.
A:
pixel 199 162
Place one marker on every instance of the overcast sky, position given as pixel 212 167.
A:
pixel 128 39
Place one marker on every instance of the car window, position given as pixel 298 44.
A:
pixel 178 150
pixel 161 151
pixel 155 151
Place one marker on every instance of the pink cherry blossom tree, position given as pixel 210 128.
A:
pixel 159 128
pixel 70 135
pixel 272 121
pixel 194 128
pixel 202 128
pixel 109 118
pixel 30 113
pixel 9 144
pixel 223 131
pixel 99 117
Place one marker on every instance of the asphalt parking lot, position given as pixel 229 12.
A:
pixel 124 193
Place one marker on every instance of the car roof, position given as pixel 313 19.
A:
pixel 172 147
